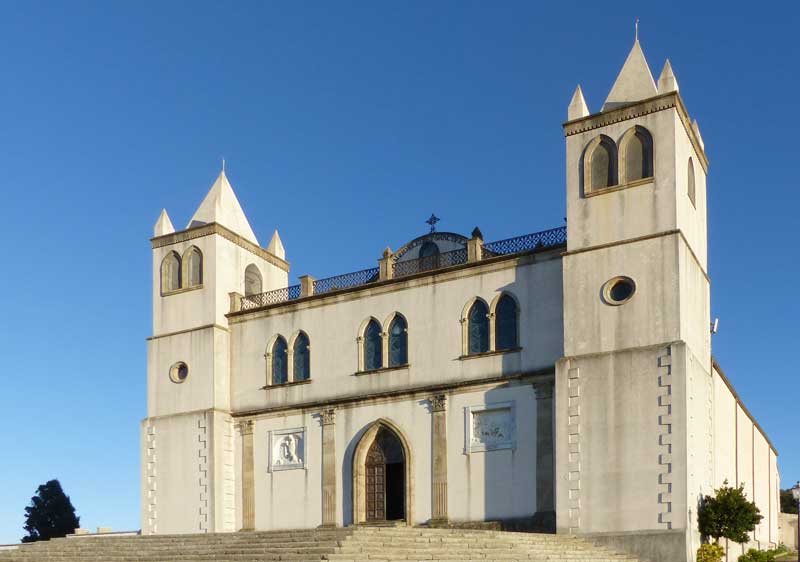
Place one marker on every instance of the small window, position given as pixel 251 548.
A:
pixel 398 342
pixel 301 358
pixel 253 284
pixel 280 363
pixel 618 290
pixel 506 336
pixel 690 182
pixel 373 346
pixel 478 330
pixel 193 259
pixel 171 273
pixel 638 154
pixel 599 164
pixel 428 256
pixel 179 372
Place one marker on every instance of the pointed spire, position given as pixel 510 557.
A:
pixel 222 206
pixel 577 106
pixel 163 224
pixel 276 246
pixel 667 81
pixel 634 82
pixel 696 129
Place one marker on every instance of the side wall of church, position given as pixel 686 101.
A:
pixel 482 485
pixel 743 455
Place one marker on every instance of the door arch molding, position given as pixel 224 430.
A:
pixel 359 470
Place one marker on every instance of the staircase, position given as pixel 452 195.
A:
pixel 350 544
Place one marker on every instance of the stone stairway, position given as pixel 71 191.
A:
pixel 352 544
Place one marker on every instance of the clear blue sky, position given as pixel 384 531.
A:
pixel 344 125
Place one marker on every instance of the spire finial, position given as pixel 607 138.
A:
pixel 223 164
pixel 636 27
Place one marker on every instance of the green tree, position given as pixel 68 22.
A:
pixel 50 514
pixel 728 514
pixel 788 503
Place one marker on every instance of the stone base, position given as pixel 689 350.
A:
pixel 648 546
pixel 544 522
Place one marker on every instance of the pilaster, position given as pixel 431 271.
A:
pixel 438 404
pixel 328 420
pixel 545 457
pixel 248 477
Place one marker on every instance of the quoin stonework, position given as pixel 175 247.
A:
pixel 559 381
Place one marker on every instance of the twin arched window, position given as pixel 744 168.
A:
pixel 181 272
pixel 604 166
pixel 372 355
pixel 487 331
pixel 285 365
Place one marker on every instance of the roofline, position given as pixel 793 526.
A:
pixel 638 109
pixel 739 402
pixel 228 234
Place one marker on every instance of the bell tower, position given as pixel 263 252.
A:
pixel 633 389
pixel 188 477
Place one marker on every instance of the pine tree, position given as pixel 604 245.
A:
pixel 50 514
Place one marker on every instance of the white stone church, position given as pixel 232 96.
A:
pixel 558 381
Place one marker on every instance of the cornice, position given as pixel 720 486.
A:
pixel 638 109
pixel 227 234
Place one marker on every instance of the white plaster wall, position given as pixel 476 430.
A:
pixel 628 213
pixel 691 219
pixel 695 305
pixel 700 437
pixel 433 311
pixel 724 434
pixel 487 485
pixel 648 318
pixel 761 486
pixel 744 452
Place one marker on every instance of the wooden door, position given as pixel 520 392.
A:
pixel 376 483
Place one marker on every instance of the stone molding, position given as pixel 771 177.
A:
pixel 328 416
pixel 665 419
pixel 438 402
pixel 187 330
pixel 574 444
pixel 150 483
pixel 202 462
pixel 245 427
pixel 216 228
pixel 544 390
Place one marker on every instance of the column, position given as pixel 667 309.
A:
pixel 248 477
pixel 439 458
pixel 328 419
pixel 545 458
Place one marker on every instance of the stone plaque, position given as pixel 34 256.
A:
pixel 490 427
pixel 287 449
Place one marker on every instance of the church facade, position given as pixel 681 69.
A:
pixel 560 381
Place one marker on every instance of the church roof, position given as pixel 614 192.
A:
pixel 634 82
pixel 221 206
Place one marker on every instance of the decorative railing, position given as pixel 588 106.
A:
pixel 345 281
pixel 535 241
pixel 438 261
pixel 271 297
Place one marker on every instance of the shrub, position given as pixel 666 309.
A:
pixel 710 553
pixel 728 514
pixel 754 555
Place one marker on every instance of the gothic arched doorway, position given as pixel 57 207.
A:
pixel 382 482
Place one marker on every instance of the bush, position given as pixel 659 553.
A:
pixel 754 555
pixel 728 514
pixel 710 553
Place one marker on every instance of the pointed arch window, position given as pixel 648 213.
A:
pixel 690 189
pixel 599 164
pixel 253 284
pixel 637 154
pixel 301 358
pixel 506 322
pixel 373 346
pixel 398 342
pixel 170 273
pixel 478 328
pixel 193 260
pixel 280 364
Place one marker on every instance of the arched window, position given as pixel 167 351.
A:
pixel 690 182
pixel 428 256
pixel 301 358
pixel 252 281
pixel 505 323
pixel 637 154
pixel 599 164
pixel 373 346
pixel 398 342
pixel 171 273
pixel 193 260
pixel 280 363
pixel 478 330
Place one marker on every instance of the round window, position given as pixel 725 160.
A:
pixel 179 372
pixel 618 290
